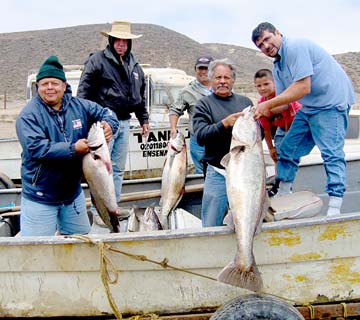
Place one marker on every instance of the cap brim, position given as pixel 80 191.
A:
pixel 122 35
pixel 202 65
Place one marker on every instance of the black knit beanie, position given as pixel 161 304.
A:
pixel 51 68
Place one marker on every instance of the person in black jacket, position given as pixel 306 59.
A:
pixel 114 79
pixel 52 129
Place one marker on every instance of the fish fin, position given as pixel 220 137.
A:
pixel 225 160
pixel 239 148
pixel 233 275
pixel 229 220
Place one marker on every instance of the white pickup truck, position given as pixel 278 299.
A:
pixel 145 158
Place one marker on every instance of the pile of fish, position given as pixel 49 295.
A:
pixel 144 219
pixel 98 173
pixel 245 183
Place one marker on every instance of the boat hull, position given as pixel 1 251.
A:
pixel 306 261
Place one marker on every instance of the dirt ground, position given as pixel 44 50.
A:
pixel 8 117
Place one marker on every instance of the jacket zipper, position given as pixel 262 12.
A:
pixel 62 128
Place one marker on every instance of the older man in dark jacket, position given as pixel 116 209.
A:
pixel 52 129
pixel 114 79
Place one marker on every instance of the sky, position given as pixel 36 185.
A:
pixel 333 24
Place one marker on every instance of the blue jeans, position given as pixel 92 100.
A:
pixel 215 201
pixel 119 148
pixel 197 153
pixel 38 219
pixel 278 138
pixel 327 130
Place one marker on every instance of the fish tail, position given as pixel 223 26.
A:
pixel 248 279
pixel 114 220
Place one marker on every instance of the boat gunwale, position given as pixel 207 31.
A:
pixel 174 234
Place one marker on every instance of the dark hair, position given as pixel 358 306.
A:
pixel 258 31
pixel 263 73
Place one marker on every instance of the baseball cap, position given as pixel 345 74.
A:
pixel 203 61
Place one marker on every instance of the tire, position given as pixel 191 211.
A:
pixel 254 306
pixel 6 182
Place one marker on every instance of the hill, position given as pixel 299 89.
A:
pixel 21 52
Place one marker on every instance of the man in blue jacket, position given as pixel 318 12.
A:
pixel 52 129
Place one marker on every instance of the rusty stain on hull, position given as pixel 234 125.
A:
pixel 332 232
pixel 305 256
pixel 342 272
pixel 283 237
pixel 301 278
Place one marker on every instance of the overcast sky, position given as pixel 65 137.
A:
pixel 334 24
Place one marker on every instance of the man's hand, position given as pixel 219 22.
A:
pixel 107 131
pixel 229 121
pixel 145 129
pixel 262 110
pixel 81 146
pixel 173 133
pixel 273 154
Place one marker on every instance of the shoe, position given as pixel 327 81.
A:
pixel 273 191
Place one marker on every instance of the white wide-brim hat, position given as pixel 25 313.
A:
pixel 120 30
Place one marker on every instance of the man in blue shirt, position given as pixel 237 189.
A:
pixel 305 72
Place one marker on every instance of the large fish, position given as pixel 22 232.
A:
pixel 98 173
pixel 245 185
pixel 173 177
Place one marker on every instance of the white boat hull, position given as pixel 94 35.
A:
pixel 306 261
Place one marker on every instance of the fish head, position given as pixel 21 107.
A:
pixel 150 220
pixel 246 130
pixel 96 136
pixel 176 144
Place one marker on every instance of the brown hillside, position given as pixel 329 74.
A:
pixel 21 52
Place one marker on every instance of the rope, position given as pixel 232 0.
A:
pixel 106 278
pixel 105 262
pixel 345 309
pixel 163 263
pixel 311 310
pixel 109 274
